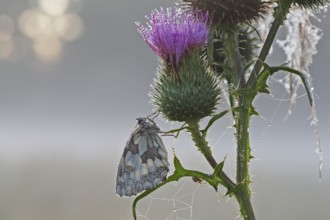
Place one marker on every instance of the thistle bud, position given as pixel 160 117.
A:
pixel 191 97
pixel 232 11
pixel 311 4
pixel 185 90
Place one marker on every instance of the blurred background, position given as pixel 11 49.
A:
pixel 74 75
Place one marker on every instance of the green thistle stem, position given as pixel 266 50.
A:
pixel 233 56
pixel 202 145
pixel 280 15
pixel 243 116
pixel 241 195
pixel 243 158
pixel 242 120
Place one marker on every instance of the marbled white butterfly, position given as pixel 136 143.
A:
pixel 144 163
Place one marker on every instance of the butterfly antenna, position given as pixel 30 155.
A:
pixel 153 115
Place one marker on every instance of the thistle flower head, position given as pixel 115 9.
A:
pixel 311 4
pixel 231 11
pixel 173 32
pixel 193 98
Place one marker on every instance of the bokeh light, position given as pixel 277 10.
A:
pixel 54 7
pixel 48 49
pixel 69 26
pixel 6 34
pixel 6 27
pixel 35 24
pixel 6 48
pixel 47 25
pixel 19 49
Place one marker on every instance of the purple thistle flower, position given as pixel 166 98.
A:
pixel 173 32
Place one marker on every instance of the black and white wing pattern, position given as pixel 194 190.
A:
pixel 144 163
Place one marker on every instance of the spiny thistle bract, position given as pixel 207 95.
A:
pixel 311 4
pixel 247 45
pixel 185 90
pixel 231 11
pixel 193 97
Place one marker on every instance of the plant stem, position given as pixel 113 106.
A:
pixel 243 116
pixel 280 15
pixel 242 119
pixel 203 147
pixel 233 56
pixel 243 158
pixel 241 195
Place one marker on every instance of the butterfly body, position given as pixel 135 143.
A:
pixel 144 163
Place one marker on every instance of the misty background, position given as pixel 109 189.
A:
pixel 74 75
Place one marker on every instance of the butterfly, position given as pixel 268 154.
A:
pixel 144 163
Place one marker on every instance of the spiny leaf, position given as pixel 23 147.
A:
pixel 238 109
pixel 177 165
pixel 245 92
pixel 146 193
pixel 178 173
pixel 234 190
pixel 177 131
pixel 253 111
pixel 214 119
pixel 183 172
pixel 262 80
pixel 208 178
pixel 270 70
pixel 302 76
pixel 218 170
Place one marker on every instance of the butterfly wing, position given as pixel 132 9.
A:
pixel 143 164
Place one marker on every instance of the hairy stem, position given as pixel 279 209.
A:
pixel 203 147
pixel 243 116
pixel 233 56
pixel 243 158
pixel 280 15
pixel 242 119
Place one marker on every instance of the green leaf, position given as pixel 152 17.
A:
pixel 199 175
pixel 302 76
pixel 262 80
pixel 234 190
pixel 212 120
pixel 177 131
pixel 245 92
pixel 270 70
pixel 218 170
pixel 177 165
pixel 238 109
pixel 146 193
pixel 178 173
pixel 253 111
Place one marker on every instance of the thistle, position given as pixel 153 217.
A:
pixel 185 89
pixel 172 33
pixel 311 4
pixel 232 11
pixel 199 45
